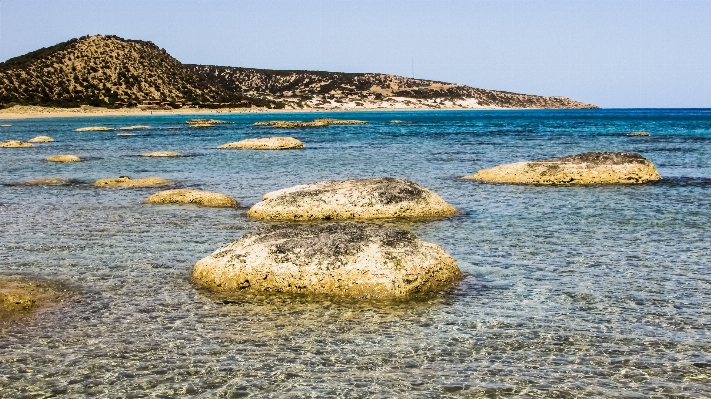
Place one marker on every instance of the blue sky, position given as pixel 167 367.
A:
pixel 610 53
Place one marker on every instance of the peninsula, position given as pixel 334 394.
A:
pixel 111 75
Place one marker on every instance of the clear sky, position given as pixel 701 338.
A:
pixel 623 53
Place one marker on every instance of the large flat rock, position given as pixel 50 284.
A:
pixel 345 259
pixel 351 199
pixel 265 143
pixel 586 168
pixel 194 197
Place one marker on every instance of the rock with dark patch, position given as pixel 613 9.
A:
pixel 345 259
pixel 587 168
pixel 194 197
pixel 15 144
pixel 351 199
pixel 125 181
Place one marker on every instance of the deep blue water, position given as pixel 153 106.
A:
pixel 595 291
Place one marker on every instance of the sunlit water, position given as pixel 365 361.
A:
pixel 599 291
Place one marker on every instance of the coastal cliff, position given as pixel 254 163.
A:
pixel 108 71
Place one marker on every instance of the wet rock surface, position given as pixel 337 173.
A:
pixel 93 129
pixel 49 181
pixel 195 197
pixel 351 199
pixel 21 296
pixel 586 168
pixel 125 181
pixel 266 143
pixel 345 259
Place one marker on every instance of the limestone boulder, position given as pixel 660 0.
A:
pixel 15 144
pixel 125 181
pixel 41 139
pixel 93 129
pixel 64 158
pixel 195 197
pixel 351 199
pixel 162 154
pixel 266 143
pixel 587 168
pixel 358 260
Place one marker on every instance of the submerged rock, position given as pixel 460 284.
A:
pixel 46 181
pixel 642 134
pixel 15 144
pixel 19 297
pixel 196 197
pixel 134 127
pixel 125 181
pixel 351 199
pixel 266 143
pixel 93 129
pixel 125 134
pixel 162 154
pixel 587 168
pixel 41 139
pixel 64 158
pixel 346 259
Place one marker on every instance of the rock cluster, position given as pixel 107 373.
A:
pixel 64 158
pixel 587 168
pixel 351 199
pixel 195 197
pixel 15 144
pixel 162 154
pixel 41 139
pixel 266 143
pixel 125 181
pixel 321 122
pixel 345 259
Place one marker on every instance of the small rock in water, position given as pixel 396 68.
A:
pixel 20 297
pixel 135 127
pixel 46 181
pixel 162 154
pixel 15 144
pixel 358 260
pixel 195 197
pixel 64 158
pixel 93 129
pixel 586 168
pixel 351 199
pixel 639 134
pixel 266 143
pixel 41 139
pixel 125 181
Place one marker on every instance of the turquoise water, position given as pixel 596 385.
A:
pixel 599 291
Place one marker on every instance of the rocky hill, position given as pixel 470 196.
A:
pixel 103 70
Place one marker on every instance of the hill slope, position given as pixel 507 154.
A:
pixel 100 70
pixel 311 88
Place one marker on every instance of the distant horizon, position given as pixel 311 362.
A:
pixel 609 53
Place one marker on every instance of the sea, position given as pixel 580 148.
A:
pixel 600 291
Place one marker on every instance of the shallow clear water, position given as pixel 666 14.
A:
pixel 598 291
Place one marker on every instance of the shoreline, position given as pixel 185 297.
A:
pixel 36 112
